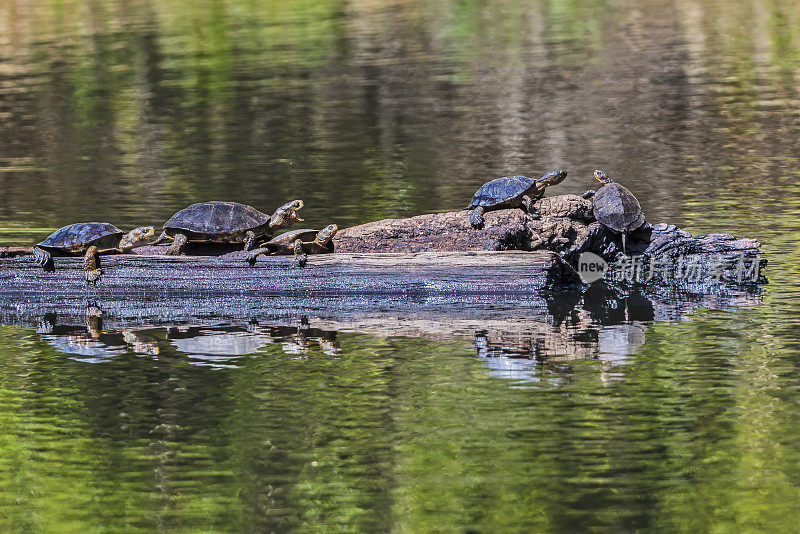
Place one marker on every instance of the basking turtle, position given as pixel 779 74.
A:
pixel 89 239
pixel 226 222
pixel 615 207
pixel 510 192
pixel 298 242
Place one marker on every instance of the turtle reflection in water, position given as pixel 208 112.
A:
pixel 302 339
pixel 225 222
pixel 216 346
pixel 92 342
pixel 90 240
pixel 298 242
pixel 221 345
pixel 615 207
pixel 510 192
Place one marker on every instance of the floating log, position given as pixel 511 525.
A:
pixel 434 254
pixel 441 273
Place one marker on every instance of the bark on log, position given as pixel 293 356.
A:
pixel 566 225
pixel 563 224
pixel 559 221
pixel 12 252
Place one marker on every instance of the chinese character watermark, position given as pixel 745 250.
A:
pixel 688 268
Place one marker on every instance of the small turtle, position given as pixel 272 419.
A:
pixel 226 222
pixel 615 207
pixel 298 242
pixel 89 239
pixel 510 192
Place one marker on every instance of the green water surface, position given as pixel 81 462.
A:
pixel 129 110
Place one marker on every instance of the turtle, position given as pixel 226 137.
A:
pixel 615 207
pixel 89 239
pixel 298 242
pixel 226 222
pixel 510 192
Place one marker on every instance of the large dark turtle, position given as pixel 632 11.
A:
pixel 226 222
pixel 615 207
pixel 89 239
pixel 298 242
pixel 510 192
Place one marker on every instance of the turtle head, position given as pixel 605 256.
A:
pixel 602 177
pixel 286 215
pixel 138 237
pixel 325 235
pixel 553 178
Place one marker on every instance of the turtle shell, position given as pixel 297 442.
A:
pixel 79 236
pixel 218 221
pixel 505 191
pixel 616 208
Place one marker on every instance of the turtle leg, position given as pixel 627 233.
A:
pixel 91 265
pixel 253 254
pixel 527 203
pixel 530 209
pixel 300 257
pixel 43 258
pixel 476 217
pixel 250 240
pixel 588 194
pixel 177 245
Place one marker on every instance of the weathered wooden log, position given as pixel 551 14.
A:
pixel 438 232
pixel 421 274
pixel 566 225
pixel 429 254
pixel 665 255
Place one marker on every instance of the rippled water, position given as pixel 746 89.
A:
pixel 590 414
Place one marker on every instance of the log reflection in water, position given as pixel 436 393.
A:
pixel 516 337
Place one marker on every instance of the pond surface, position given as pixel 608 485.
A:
pixel 601 414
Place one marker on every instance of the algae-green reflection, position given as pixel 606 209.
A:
pixel 277 441
pixel 305 430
